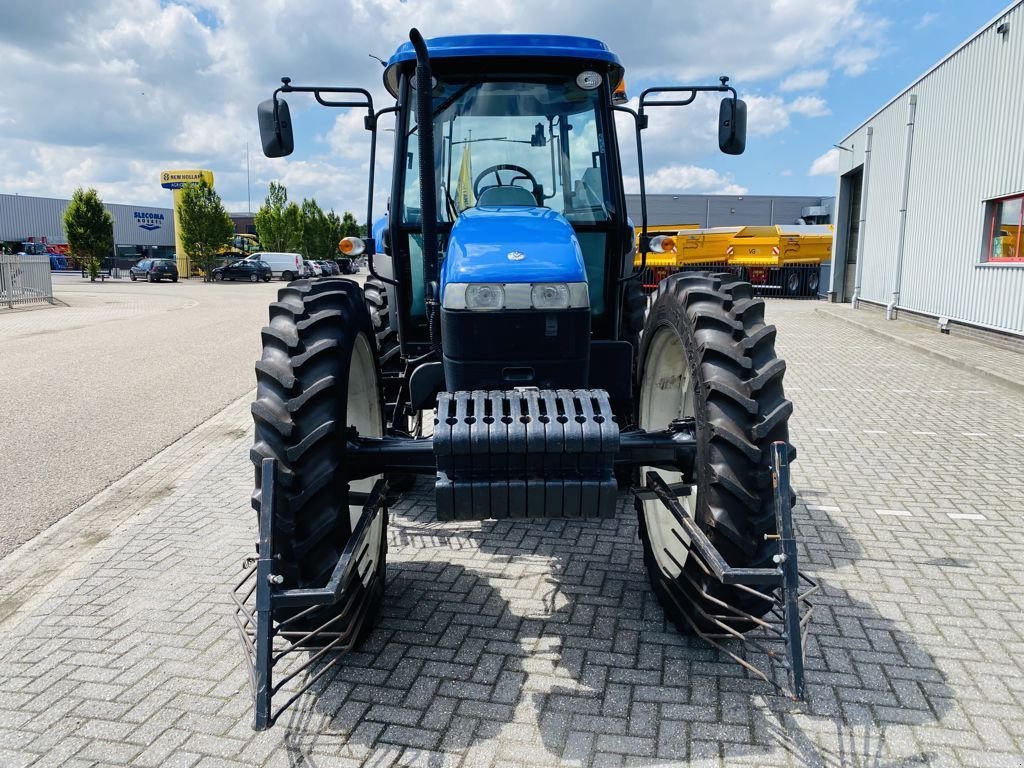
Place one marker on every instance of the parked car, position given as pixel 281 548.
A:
pixel 329 267
pixel 347 266
pixel 154 270
pixel 249 269
pixel 287 266
pixel 312 269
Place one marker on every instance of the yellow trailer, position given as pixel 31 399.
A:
pixel 782 257
pixel 777 257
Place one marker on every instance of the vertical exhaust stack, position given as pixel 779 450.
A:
pixel 428 185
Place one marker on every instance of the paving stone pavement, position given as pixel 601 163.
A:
pixel 539 643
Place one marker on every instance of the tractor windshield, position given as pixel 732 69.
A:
pixel 514 143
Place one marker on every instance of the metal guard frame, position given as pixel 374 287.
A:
pixel 791 608
pixel 268 639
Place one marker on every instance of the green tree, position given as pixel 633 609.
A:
pixel 292 219
pixel 317 232
pixel 89 228
pixel 205 226
pixel 336 231
pixel 269 218
pixel 278 222
pixel 350 227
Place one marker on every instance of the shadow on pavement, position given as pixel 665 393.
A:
pixel 542 641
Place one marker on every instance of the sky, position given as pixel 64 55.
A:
pixel 108 93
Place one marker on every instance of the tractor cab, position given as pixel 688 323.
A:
pixel 530 213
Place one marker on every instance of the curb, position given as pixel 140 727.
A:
pixel 954 360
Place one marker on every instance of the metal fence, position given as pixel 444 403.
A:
pixel 799 281
pixel 25 280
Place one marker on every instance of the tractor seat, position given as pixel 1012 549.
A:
pixel 510 195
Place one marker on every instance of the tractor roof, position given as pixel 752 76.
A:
pixel 504 46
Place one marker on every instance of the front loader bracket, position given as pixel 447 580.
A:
pixel 787 619
pixel 276 624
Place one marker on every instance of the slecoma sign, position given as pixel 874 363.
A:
pixel 148 220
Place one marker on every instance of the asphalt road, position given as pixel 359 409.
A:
pixel 92 389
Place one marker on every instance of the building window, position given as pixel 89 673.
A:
pixel 1003 230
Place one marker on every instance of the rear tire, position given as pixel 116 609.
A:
pixel 792 284
pixel 708 332
pixel 254 278
pixel 812 283
pixel 318 375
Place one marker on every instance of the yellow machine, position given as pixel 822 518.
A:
pixel 775 256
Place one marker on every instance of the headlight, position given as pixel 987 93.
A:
pixel 539 296
pixel 483 296
pixel 550 296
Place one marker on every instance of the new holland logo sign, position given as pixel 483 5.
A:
pixel 148 220
pixel 179 179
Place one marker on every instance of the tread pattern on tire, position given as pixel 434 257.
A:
pixel 740 408
pixel 299 415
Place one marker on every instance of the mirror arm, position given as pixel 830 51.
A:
pixel 371 246
pixel 641 122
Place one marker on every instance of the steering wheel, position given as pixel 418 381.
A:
pixel 496 170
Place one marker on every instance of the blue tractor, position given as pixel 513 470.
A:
pixel 502 345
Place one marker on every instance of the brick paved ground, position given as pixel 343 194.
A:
pixel 539 643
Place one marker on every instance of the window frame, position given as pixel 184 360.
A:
pixel 992 207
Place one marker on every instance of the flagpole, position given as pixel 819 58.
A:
pixel 248 188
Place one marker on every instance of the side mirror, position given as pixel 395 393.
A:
pixel 275 128
pixel 732 126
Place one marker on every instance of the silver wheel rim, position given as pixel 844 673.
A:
pixel 364 413
pixel 667 392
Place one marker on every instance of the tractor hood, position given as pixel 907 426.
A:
pixel 512 244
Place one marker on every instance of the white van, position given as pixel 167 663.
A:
pixel 286 266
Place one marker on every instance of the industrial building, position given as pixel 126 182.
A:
pixel 930 192
pixel 139 231
pixel 731 210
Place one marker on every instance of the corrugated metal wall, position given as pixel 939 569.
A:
pixel 722 210
pixel 968 147
pixel 23 217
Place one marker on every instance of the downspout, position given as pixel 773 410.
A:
pixel 862 223
pixel 890 310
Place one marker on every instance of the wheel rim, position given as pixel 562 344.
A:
pixel 254 278
pixel 812 283
pixel 365 414
pixel 793 282
pixel 667 392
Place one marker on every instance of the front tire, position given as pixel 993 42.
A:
pixel 707 333
pixel 318 376
pixel 254 278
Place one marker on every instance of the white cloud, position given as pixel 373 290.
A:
pixel 687 178
pixel 926 20
pixel 809 106
pixel 854 61
pixel 135 86
pixel 805 80
pixel 826 164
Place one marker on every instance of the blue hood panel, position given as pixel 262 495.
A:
pixel 482 239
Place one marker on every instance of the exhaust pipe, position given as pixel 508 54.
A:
pixel 428 186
